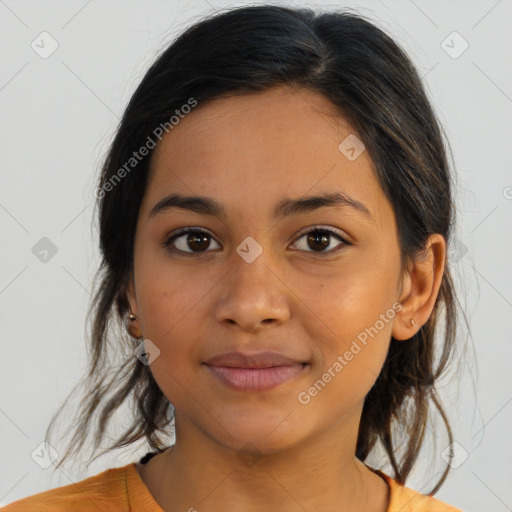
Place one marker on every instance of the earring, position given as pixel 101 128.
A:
pixel 131 317
pixel 413 323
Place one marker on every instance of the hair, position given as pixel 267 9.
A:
pixel 370 81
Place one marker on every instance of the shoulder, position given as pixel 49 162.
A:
pixel 405 499
pixel 105 491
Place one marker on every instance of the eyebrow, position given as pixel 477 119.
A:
pixel 285 208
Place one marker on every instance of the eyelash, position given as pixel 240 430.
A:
pixel 306 231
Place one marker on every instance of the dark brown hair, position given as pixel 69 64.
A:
pixel 374 85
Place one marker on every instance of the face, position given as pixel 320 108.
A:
pixel 306 281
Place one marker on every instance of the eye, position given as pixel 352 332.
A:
pixel 186 238
pixel 321 238
pixel 199 240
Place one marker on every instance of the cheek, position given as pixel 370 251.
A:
pixel 171 306
pixel 351 350
pixel 352 320
pixel 173 326
pixel 360 332
pixel 169 293
pixel 346 304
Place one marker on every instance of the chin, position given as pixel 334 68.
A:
pixel 262 433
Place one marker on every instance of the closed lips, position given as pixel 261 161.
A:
pixel 266 359
pixel 254 372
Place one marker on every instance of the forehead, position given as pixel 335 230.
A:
pixel 255 149
pixel 273 122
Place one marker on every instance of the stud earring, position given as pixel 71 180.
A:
pixel 131 317
pixel 413 323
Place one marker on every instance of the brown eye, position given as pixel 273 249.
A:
pixel 319 239
pixel 189 240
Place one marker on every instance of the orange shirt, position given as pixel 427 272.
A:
pixel 122 490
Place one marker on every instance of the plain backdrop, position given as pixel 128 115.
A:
pixel 58 113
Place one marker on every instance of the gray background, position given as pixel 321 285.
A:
pixel 57 116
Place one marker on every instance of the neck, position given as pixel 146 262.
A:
pixel 320 474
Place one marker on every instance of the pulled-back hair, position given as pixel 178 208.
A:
pixel 372 83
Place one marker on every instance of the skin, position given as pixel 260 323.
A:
pixel 249 152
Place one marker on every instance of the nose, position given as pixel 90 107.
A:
pixel 253 296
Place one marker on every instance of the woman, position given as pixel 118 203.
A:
pixel 274 217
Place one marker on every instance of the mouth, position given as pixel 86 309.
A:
pixel 256 379
pixel 255 371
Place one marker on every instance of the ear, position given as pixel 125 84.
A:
pixel 133 326
pixel 420 288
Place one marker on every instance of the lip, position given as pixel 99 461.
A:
pixel 256 379
pixel 265 359
pixel 254 372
